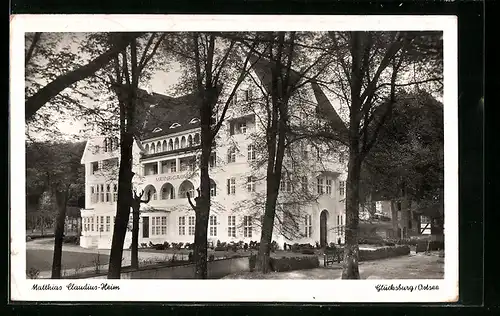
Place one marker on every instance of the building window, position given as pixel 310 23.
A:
pixel 251 184
pixel 115 192
pixel 159 225
pixel 102 193
pixel 182 225
pixel 341 158
pixel 173 166
pixel 251 152
pixel 231 186
pixel 108 223
pixel 101 227
pixel 243 127
pixel 231 155
pixel 247 227
pixel 95 167
pixel 231 226
pixel 248 95
pixel 308 222
pixel 212 162
pixel 286 183
pixel 213 226
pixel 176 144
pixel 304 183
pixel 191 225
pixel 342 188
pixel 92 195
pixel 328 186
pixel 213 188
pixel 320 185
pixel 92 223
pixel 108 193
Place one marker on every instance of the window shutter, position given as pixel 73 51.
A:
pixel 228 186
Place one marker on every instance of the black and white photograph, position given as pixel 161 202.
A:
pixel 301 154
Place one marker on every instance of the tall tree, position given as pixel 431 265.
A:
pixel 217 74
pixel 128 68
pixel 372 67
pixel 58 164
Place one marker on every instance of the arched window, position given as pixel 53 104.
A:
pixel 183 142
pixel 164 145
pixel 186 186
pixel 158 147
pixel 105 144
pixel 151 190
pixel 176 144
pixel 167 192
pixel 196 138
pixel 146 148
pixel 190 141
pixel 170 145
pixel 153 150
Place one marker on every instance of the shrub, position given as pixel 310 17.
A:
pixel 294 263
pixel 218 243
pixel 174 245
pixel 220 249
pixel 166 245
pixel 308 251
pixel 33 273
pixel 274 246
pixel 385 252
pixel 71 239
pixel 318 246
pixel 245 246
pixel 190 256
pixel 211 257
pixel 423 246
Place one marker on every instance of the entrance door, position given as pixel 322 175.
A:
pixel 323 228
pixel 145 227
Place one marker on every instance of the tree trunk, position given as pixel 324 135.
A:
pixel 134 260
pixel 59 233
pixel 394 219
pixel 123 205
pixel 203 201
pixel 351 251
pixel 263 263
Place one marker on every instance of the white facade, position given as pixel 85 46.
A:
pixel 168 173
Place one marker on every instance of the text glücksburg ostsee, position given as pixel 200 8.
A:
pixel 409 288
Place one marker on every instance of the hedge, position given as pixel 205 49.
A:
pixel 382 253
pixel 287 263
pixel 432 246
pixel 294 263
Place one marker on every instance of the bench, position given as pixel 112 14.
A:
pixel 331 256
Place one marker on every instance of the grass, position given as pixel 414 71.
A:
pixel 41 259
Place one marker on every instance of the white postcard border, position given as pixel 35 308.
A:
pixel 231 290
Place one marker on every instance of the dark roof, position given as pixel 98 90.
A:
pixel 326 110
pixel 165 112
pixel 263 69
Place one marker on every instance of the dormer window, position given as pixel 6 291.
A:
pixel 194 121
pixel 175 125
pixel 157 129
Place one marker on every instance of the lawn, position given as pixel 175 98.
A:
pixel 41 259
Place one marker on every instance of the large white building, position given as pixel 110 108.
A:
pixel 165 164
